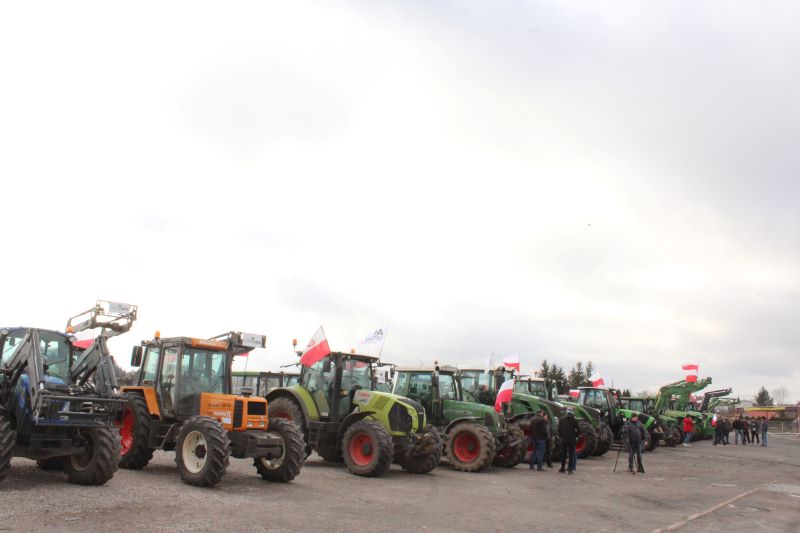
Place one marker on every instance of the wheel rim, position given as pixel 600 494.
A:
pixel 80 462
pixel 195 452
pixel 581 444
pixel 466 447
pixel 127 431
pixel 275 462
pixel 282 414
pixel 362 449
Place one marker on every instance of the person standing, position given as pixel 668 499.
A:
pixel 548 451
pixel 737 429
pixel 746 430
pixel 764 428
pixel 568 431
pixel 635 432
pixel 718 431
pixel 754 427
pixel 688 430
pixel 539 437
pixel 727 431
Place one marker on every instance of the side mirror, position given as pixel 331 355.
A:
pixel 326 366
pixel 136 356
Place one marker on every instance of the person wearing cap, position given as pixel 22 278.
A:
pixel 568 431
pixel 635 432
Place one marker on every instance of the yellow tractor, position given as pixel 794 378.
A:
pixel 182 401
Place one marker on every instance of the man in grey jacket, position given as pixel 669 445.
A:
pixel 635 432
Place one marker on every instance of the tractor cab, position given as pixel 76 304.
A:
pixel 434 388
pixel 333 381
pixel 541 387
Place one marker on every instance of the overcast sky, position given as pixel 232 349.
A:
pixel 610 182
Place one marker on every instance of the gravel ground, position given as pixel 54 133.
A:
pixel 680 483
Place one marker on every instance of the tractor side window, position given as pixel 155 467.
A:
pixel 237 383
pixel 319 383
pixel 169 366
pixel 401 384
pixel 447 387
pixel 12 342
pixel 420 389
pixel 273 382
pixel 150 366
pixel 55 350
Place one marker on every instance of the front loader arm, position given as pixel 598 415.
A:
pixel 96 361
pixel 26 357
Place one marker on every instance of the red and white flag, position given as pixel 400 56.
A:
pixel 597 380
pixel 504 395
pixel 316 350
pixel 692 370
pixel 574 393
pixel 511 361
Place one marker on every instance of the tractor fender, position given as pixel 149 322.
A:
pixel 296 397
pixel 149 394
pixel 473 419
pixel 349 420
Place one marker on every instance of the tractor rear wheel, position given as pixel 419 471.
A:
pixel 98 462
pixel 288 409
pixel 424 463
pixel 286 467
pixel 8 438
pixel 604 439
pixel 511 456
pixel 52 464
pixel 470 447
pixel 134 432
pixel 587 441
pixel 367 448
pixel 202 451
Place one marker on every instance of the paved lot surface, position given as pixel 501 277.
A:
pixel 731 488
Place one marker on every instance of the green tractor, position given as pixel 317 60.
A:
pixel 673 434
pixel 482 387
pixel 614 414
pixel 261 383
pixel 673 404
pixel 344 418
pixel 546 388
pixel 475 435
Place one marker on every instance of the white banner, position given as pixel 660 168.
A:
pixel 372 344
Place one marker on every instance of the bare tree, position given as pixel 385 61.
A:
pixel 780 395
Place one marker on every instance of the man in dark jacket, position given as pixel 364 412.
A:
pixel 539 437
pixel 568 431
pixel 737 429
pixel 754 427
pixel 764 430
pixel 635 432
pixel 745 428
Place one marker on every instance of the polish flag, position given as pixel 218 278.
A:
pixel 574 393
pixel 316 350
pixel 692 369
pixel 504 395
pixel 597 380
pixel 511 361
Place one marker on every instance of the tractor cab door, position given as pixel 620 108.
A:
pixel 319 380
pixel 355 375
pixel 149 369
pixel 420 389
pixel 166 388
pixel 201 370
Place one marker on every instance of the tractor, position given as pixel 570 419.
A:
pixel 263 382
pixel 344 417
pixel 607 401
pixel 58 403
pixel 673 435
pixel 673 403
pixel 475 435
pixel 182 401
pixel 483 386
pixel 546 388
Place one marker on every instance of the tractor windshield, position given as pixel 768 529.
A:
pixel 291 379
pixel 356 374
pixel 538 388
pixel 594 398
pixel 476 381
pixel 201 371
pixel 447 387
pixel 54 348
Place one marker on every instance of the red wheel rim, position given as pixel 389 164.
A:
pixel 581 444
pixel 126 431
pixel 466 447
pixel 361 449
pixel 282 414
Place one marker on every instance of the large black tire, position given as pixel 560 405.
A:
pixel 202 451
pixel 587 440
pixel 673 437
pixel 425 462
pixel 52 464
pixel 470 447
pixel 367 448
pixel 286 468
pixel 604 439
pixel 135 433
pixel 511 456
pixel 8 438
pixel 288 409
pixel 650 442
pixel 99 462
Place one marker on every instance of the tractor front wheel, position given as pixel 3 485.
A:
pixel 286 467
pixel 7 440
pixel 134 432
pixel 98 462
pixel 425 462
pixel 470 447
pixel 587 441
pixel 202 451
pixel 367 448
pixel 288 409
pixel 604 440
pixel 511 456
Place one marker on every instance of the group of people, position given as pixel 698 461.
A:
pixel 746 428
pixel 568 432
